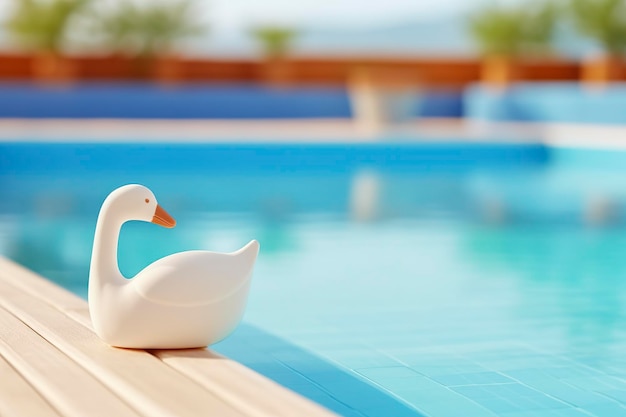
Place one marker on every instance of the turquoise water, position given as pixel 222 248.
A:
pixel 444 288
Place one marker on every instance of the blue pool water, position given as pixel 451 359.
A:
pixel 394 279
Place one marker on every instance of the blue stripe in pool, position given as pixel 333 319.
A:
pixel 246 158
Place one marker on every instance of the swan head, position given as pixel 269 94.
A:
pixel 136 202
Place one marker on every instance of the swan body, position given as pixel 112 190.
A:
pixel 185 300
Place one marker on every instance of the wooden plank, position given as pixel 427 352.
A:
pixel 245 389
pixel 65 384
pixel 81 315
pixel 252 393
pixel 152 387
pixel 33 284
pixel 18 398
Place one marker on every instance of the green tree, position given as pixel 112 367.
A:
pixel 42 24
pixel 514 30
pixel 603 21
pixel 150 29
pixel 275 40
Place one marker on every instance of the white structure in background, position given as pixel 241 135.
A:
pixel 381 99
pixel 599 210
pixel 365 196
pixel 495 210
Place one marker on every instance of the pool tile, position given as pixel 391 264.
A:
pixel 619 395
pixel 369 358
pixel 562 412
pixel 356 398
pixel 448 369
pixel 415 358
pixel 398 380
pixel 503 398
pixel 372 404
pixel 474 392
pixel 511 390
pixel 597 383
pixel 342 386
pixel 334 404
pixel 443 402
pixel 388 372
pixel 497 404
pixel 397 409
pixel 290 379
pixel 516 363
pixel 546 383
pixel 472 379
pixel 608 409
pixel 572 371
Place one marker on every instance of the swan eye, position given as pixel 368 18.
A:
pixel 147 200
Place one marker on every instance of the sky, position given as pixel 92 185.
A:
pixel 232 15
pixel 227 15
pixel 323 22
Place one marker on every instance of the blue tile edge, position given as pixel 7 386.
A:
pixel 309 375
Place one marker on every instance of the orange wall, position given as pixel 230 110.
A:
pixel 438 72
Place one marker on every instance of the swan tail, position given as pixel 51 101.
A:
pixel 248 253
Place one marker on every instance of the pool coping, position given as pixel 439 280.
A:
pixel 50 354
pixel 576 135
pixel 252 130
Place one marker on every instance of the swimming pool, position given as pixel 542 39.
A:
pixel 438 279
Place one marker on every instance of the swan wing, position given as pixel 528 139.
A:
pixel 195 277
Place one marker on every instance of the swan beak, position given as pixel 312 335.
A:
pixel 162 218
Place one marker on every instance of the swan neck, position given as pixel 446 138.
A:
pixel 104 267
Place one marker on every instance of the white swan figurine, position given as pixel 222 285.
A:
pixel 185 300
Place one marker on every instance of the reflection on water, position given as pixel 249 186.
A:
pixel 365 196
pixel 601 210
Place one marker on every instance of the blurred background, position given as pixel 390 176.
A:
pixel 439 188
pixel 347 59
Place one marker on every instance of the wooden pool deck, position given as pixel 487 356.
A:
pixel 53 364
